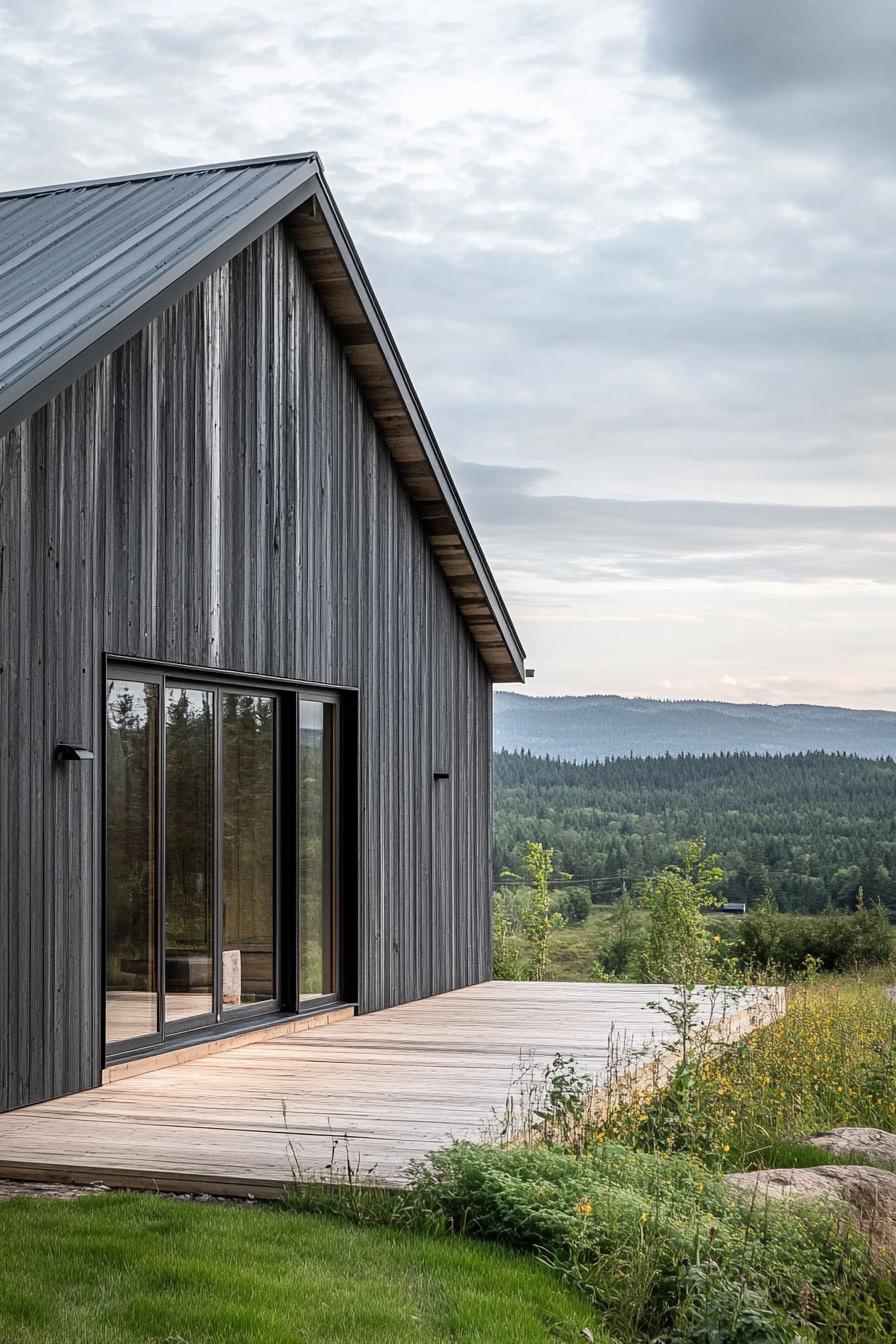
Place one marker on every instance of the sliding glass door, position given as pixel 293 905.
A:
pixel 317 933
pixel 189 853
pixel 220 904
pixel 249 862
pixel 132 860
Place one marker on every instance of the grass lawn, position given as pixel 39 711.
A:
pixel 136 1269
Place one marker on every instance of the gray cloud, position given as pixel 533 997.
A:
pixel 646 245
pixel 577 539
pixel 807 72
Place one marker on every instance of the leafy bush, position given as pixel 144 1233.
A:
pixel 507 964
pixel 623 953
pixel 572 903
pixel 537 917
pixel 677 935
pixel 662 1248
pixel 834 941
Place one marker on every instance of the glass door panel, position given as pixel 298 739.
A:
pixel 316 961
pixel 248 863
pixel 132 757
pixel 189 853
pixel 193 850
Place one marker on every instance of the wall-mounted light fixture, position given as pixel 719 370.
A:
pixel 440 774
pixel 530 671
pixel 66 752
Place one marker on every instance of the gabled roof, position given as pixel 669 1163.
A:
pixel 86 265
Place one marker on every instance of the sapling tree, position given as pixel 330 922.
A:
pixel 538 919
pixel 507 962
pixel 678 947
pixel 677 936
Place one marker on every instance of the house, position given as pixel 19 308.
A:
pixel 247 635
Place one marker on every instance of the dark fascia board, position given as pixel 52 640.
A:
pixel 29 394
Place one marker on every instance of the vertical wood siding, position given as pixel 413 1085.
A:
pixel 215 493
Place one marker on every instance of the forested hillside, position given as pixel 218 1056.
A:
pixel 804 829
pixel 595 727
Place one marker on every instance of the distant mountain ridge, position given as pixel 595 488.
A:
pixel 594 727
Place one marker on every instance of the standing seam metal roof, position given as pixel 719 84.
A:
pixel 71 256
pixel 85 265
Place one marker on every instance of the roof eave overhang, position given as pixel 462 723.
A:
pixel 333 266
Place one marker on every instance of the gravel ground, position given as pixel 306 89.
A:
pixel 40 1190
pixel 11 1189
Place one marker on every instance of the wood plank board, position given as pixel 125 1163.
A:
pixel 386 1088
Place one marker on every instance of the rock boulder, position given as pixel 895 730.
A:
pixel 877 1145
pixel 866 1195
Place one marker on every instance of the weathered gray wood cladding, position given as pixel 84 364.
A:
pixel 215 493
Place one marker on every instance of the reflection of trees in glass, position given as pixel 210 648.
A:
pixel 188 821
pixel 132 725
pixel 248 839
pixel 314 896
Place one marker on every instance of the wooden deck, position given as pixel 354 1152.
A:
pixel 385 1088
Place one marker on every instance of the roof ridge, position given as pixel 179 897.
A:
pixel 259 161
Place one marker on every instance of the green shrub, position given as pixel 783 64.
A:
pixel 662 1248
pixel 622 954
pixel 507 964
pixel 572 903
pixel 677 934
pixel 834 941
pixel 538 919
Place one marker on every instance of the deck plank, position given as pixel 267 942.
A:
pixel 390 1086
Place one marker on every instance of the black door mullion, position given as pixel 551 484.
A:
pixel 218 861
pixel 327 931
pixel 277 960
pixel 161 876
pixel 288 850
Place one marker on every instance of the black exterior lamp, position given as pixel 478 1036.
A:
pixel 66 752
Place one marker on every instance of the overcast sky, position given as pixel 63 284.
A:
pixel 639 258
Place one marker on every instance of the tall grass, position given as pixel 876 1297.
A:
pixel 830 1061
